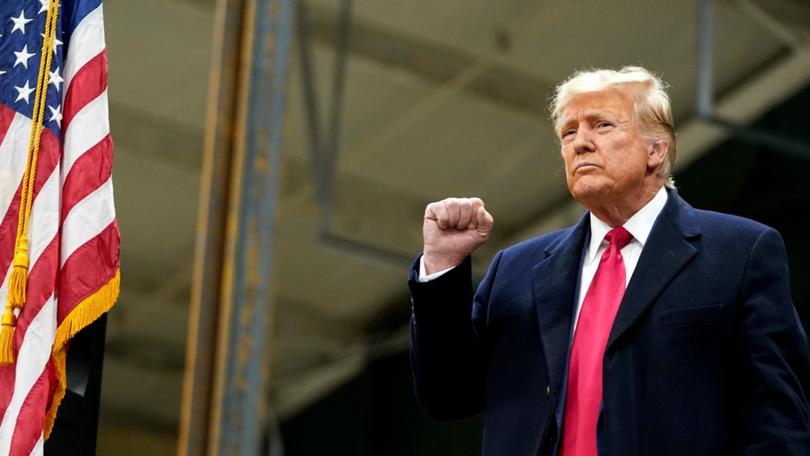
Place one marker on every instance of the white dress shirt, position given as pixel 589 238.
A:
pixel 639 226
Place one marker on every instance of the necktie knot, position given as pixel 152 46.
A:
pixel 619 237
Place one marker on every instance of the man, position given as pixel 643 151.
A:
pixel 648 328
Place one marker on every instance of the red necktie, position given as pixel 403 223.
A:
pixel 596 317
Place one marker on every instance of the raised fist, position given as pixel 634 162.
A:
pixel 452 229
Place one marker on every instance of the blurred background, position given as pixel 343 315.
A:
pixel 406 103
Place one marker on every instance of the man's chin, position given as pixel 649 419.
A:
pixel 586 192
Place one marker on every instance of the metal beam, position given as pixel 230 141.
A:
pixel 225 104
pixel 705 48
pixel 792 15
pixel 436 62
pixel 431 60
pixel 238 425
pixel 705 90
pixel 223 400
pixel 325 150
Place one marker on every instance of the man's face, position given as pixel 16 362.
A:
pixel 606 158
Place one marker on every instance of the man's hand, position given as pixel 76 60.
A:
pixel 452 229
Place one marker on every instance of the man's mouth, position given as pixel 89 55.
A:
pixel 584 167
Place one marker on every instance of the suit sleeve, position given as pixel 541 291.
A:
pixel 772 410
pixel 449 354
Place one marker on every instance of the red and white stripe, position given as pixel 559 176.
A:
pixel 36 323
pixel 73 219
pixel 88 211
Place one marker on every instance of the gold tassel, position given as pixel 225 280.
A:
pixel 19 276
pixel 16 300
pixel 7 337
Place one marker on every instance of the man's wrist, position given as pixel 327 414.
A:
pixel 424 276
pixel 434 264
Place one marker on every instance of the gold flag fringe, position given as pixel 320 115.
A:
pixel 82 315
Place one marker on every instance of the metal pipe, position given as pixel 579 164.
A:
pixel 705 44
pixel 310 95
pixel 705 91
pixel 328 167
pixel 782 143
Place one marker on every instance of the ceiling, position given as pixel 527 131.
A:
pixel 441 98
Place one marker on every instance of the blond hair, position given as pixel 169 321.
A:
pixel 648 92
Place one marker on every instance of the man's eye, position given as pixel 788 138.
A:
pixel 604 124
pixel 568 133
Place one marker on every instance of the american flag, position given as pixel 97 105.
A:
pixel 73 269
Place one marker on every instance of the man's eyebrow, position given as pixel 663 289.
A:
pixel 589 115
pixel 599 114
pixel 566 124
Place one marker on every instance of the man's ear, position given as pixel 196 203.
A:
pixel 658 153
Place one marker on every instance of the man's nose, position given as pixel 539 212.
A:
pixel 583 142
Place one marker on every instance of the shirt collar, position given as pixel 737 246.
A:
pixel 639 225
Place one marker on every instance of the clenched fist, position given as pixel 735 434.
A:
pixel 452 229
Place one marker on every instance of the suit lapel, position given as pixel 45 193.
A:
pixel 555 281
pixel 667 252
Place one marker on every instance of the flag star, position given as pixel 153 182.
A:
pixel 56 115
pixel 19 22
pixel 22 57
pixel 56 42
pixel 24 92
pixel 55 79
pixel 2 72
pixel 43 6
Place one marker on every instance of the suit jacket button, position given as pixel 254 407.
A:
pixel 548 390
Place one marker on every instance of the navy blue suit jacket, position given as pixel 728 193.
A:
pixel 706 357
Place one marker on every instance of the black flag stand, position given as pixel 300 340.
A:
pixel 76 425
